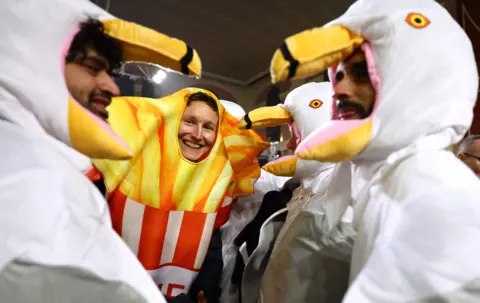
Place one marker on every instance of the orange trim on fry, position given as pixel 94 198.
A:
pixel 201 203
pixel 134 111
pixel 168 172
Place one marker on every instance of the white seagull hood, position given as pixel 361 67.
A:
pixel 405 41
pixel 306 108
pixel 57 241
pixel 416 209
pixel 33 91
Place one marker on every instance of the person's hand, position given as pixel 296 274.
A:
pixel 201 297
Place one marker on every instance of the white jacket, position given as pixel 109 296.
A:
pixel 416 207
pixel 310 260
pixel 243 211
pixel 57 243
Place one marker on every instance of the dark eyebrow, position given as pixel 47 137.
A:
pixel 356 51
pixel 362 65
pixel 101 63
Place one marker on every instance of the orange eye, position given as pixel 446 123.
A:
pixel 417 20
pixel 315 103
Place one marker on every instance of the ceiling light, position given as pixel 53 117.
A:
pixel 159 76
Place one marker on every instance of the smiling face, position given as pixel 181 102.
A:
pixel 89 82
pixel 197 130
pixel 354 92
pixel 91 58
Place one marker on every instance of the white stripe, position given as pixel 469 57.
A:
pixel 227 201
pixel 205 240
pixel 169 275
pixel 132 223
pixel 171 236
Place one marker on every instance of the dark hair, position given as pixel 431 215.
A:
pixel 92 36
pixel 205 98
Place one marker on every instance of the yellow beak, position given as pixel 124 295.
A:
pixel 307 54
pixel 91 139
pixel 338 149
pixel 138 44
pixel 267 116
pixel 282 167
pixel 312 51
pixel 146 45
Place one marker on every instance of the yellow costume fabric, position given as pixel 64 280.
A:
pixel 164 206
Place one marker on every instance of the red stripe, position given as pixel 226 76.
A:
pixel 154 227
pixel 222 216
pixel 93 174
pixel 117 206
pixel 189 239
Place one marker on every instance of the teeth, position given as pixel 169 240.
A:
pixel 191 144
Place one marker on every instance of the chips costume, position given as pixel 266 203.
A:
pixel 164 206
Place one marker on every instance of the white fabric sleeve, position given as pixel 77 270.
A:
pixel 427 249
pixel 58 226
pixel 25 282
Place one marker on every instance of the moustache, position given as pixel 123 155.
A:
pixel 102 98
pixel 102 95
pixel 342 104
